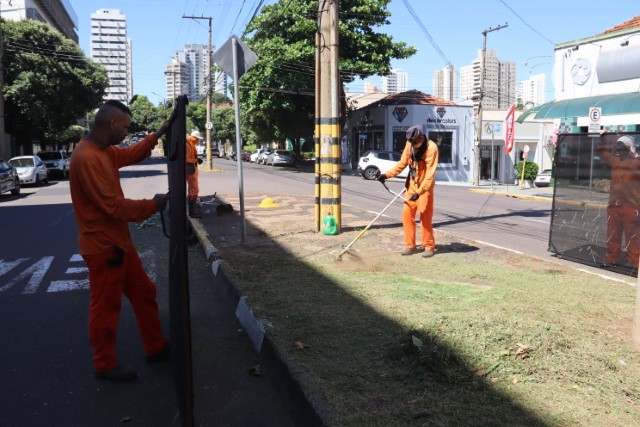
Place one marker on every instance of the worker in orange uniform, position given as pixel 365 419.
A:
pixel 421 155
pixel 623 209
pixel 192 175
pixel 103 214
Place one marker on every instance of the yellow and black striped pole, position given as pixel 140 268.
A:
pixel 327 124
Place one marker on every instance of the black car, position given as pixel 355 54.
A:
pixel 9 180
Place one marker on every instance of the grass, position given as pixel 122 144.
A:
pixel 472 336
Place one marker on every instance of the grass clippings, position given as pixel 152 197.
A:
pixel 471 336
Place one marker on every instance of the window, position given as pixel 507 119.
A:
pixel 444 140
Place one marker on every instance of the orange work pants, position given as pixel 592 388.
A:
pixel 192 185
pixel 623 221
pixel 409 210
pixel 107 284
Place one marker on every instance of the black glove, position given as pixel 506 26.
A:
pixel 199 161
pixel 381 177
pixel 414 197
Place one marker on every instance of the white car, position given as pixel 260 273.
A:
pixel 57 162
pixel 31 169
pixel 375 161
pixel 543 179
pixel 201 149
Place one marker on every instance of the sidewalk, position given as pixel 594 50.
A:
pixel 510 190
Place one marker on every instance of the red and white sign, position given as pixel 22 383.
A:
pixel 509 123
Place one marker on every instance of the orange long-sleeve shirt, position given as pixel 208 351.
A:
pixel 101 210
pixel 424 180
pixel 625 177
pixel 192 152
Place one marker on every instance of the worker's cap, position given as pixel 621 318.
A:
pixel 414 132
pixel 196 134
pixel 628 142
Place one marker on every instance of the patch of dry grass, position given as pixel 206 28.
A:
pixel 472 336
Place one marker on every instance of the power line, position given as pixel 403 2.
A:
pixel 424 30
pixel 525 22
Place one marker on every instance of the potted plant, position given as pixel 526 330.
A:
pixel 530 173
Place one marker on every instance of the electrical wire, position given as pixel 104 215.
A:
pixel 526 23
pixel 424 30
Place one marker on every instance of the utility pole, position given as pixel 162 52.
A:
pixel 5 150
pixel 476 157
pixel 208 125
pixel 327 124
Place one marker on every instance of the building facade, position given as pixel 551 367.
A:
pixel 111 48
pixel 395 82
pixel 499 82
pixel 57 13
pixel 531 92
pixel 445 83
pixel 197 60
pixel 382 125
pixel 178 77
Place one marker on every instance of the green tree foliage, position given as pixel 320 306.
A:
pixel 144 115
pixel 277 94
pixel 224 124
pixel 49 83
pixel 196 116
pixel 220 99
pixel 530 170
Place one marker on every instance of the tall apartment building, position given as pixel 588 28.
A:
pixel 395 82
pixel 195 58
pixel 499 82
pixel 531 92
pixel 445 83
pixel 178 77
pixel 57 13
pixel 111 48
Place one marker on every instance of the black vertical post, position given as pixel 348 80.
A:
pixel 179 307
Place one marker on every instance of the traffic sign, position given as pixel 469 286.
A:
pixel 209 125
pixel 525 148
pixel 595 113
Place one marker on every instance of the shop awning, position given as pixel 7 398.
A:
pixel 621 103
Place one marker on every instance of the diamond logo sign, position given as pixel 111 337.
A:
pixel 441 112
pixel 400 113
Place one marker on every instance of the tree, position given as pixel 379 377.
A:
pixel 224 124
pixel 144 115
pixel 49 83
pixel 277 94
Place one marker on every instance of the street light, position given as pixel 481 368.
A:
pixel 164 100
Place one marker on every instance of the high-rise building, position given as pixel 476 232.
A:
pixel 111 48
pixel 196 57
pixel 370 87
pixel 499 82
pixel 531 92
pixel 395 82
pixel 178 77
pixel 57 13
pixel 445 83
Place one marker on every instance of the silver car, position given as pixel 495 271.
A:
pixel 31 169
pixel 280 157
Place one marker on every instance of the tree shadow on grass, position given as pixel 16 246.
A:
pixel 355 365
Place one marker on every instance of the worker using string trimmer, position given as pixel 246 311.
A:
pixel 421 155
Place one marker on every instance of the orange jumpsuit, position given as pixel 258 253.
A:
pixel 192 158
pixel 422 182
pixel 102 215
pixel 623 210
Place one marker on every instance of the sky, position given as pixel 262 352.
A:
pixel 449 31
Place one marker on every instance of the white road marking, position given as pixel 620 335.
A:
pixel 76 258
pixel 6 266
pixel 500 247
pixel 68 285
pixel 36 273
pixel 72 270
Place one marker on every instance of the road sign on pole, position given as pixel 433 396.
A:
pixel 595 113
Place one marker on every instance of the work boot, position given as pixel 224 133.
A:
pixel 194 209
pixel 428 253
pixel 409 251
pixel 160 356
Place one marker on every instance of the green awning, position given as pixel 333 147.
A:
pixel 622 103
pixel 529 112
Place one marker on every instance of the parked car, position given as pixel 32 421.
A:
pixel 31 169
pixel 543 179
pixel 215 152
pixel 262 157
pixel 256 154
pixel 375 161
pixel 245 155
pixel 201 149
pixel 57 162
pixel 9 180
pixel 280 157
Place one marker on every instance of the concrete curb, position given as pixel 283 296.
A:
pixel 513 195
pixel 305 412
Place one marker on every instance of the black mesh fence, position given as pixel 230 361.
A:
pixel 595 215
